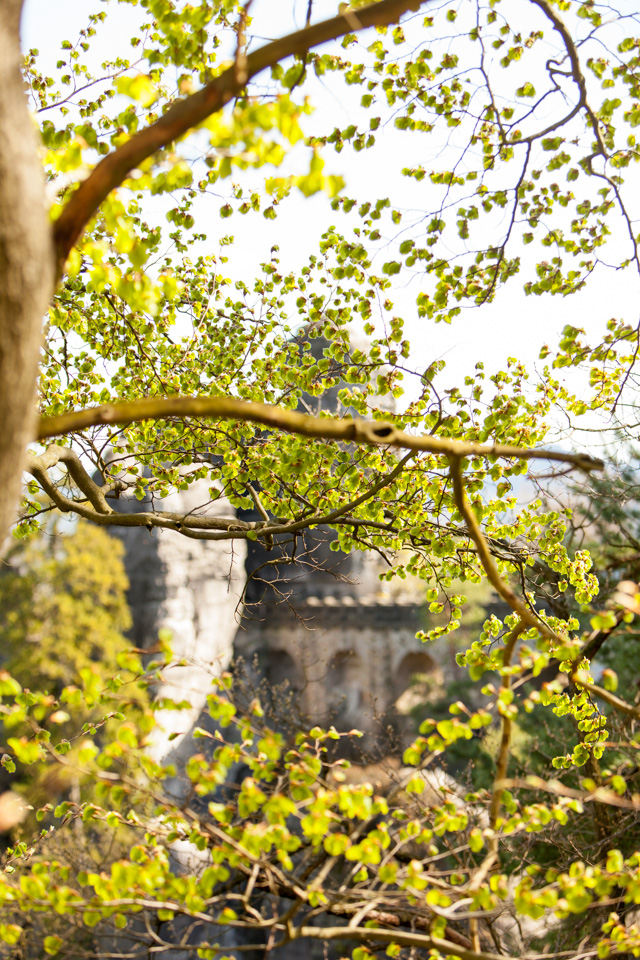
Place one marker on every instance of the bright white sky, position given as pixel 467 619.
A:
pixel 515 325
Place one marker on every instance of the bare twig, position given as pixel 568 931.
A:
pixel 576 75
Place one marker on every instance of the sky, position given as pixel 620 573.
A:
pixel 515 325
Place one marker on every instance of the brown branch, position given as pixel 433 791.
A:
pixel 38 467
pixel 388 914
pixel 186 114
pixel 486 559
pixel 379 935
pixel 576 75
pixel 194 526
pixel 99 511
pixel 558 789
pixel 496 792
pixel 505 741
pixel 580 679
pixel 376 432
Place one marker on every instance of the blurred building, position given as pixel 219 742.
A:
pixel 324 631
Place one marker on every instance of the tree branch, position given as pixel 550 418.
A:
pixel 100 512
pixel 196 527
pixel 496 790
pixel 487 561
pixel 505 741
pixel 581 679
pixel 185 114
pixel 389 915
pixel 379 935
pixel 576 75
pixel 375 432
pixel 53 455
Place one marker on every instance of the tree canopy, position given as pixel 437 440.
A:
pixel 297 393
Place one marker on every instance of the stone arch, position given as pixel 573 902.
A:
pixel 415 680
pixel 281 671
pixel 278 680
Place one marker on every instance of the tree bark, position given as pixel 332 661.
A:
pixel 26 266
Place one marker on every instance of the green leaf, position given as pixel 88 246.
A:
pixel 52 945
pixel 140 87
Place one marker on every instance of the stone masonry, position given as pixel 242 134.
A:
pixel 327 630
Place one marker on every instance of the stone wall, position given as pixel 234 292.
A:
pixel 192 590
pixel 326 628
pixel 349 660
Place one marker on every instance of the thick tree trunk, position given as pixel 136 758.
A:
pixel 26 266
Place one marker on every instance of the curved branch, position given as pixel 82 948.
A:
pixel 185 114
pixel 400 937
pixel 497 788
pixel 490 568
pixel 576 75
pixel 581 679
pixel 375 432
pixel 39 465
pixel 196 527
pixel 505 740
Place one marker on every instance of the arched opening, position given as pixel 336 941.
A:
pixel 280 671
pixel 416 679
pixel 278 682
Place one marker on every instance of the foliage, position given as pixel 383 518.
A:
pixel 120 329
pixel 64 616
pixel 63 608
pixel 527 112
pixel 294 843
